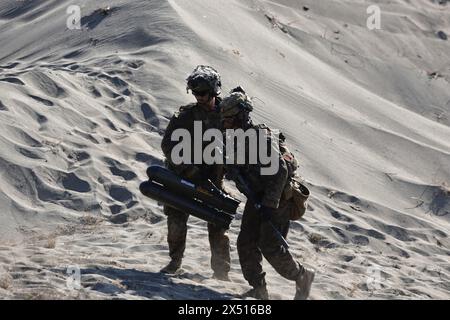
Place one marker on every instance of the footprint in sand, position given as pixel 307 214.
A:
pixel 115 168
pixel 41 119
pixel 360 240
pixel 3 107
pixel 398 251
pixel 110 124
pixel 119 218
pixel 120 193
pixel 86 136
pixel 115 81
pixel 341 234
pixel 73 54
pixel 339 216
pixel 368 232
pixel 79 156
pixel 144 157
pixel 10 66
pixel 42 100
pixel 72 182
pixel 115 208
pixel 135 64
pixel 95 92
pixel 46 85
pixel 150 115
pixel 397 232
pixel 347 258
pixel 28 153
pixel 13 80
pixel 375 234
pixel 126 174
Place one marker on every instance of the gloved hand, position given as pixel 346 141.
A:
pixel 266 212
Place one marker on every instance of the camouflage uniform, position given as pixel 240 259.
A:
pixel 176 219
pixel 256 238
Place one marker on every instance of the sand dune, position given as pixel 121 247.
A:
pixel 83 111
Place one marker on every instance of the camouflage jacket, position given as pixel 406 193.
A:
pixel 184 119
pixel 266 189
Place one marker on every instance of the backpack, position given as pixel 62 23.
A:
pixel 295 193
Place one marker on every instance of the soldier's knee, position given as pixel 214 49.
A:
pixel 175 214
pixel 268 247
pixel 244 241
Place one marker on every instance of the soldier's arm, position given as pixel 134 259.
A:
pixel 231 173
pixel 274 184
pixel 167 144
pixel 219 175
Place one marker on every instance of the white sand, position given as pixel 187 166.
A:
pixel 82 113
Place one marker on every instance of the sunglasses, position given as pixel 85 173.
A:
pixel 200 93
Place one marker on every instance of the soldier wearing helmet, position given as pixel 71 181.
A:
pixel 204 79
pixel 265 205
pixel 204 82
pixel 235 110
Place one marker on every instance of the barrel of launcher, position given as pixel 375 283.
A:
pixel 206 202
pixel 162 194
pixel 207 193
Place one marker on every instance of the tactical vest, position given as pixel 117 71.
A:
pixel 286 154
pixel 295 193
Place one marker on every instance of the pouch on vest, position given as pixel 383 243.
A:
pixel 296 193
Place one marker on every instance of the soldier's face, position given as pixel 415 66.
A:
pixel 227 123
pixel 204 99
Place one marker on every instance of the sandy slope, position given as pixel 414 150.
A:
pixel 82 113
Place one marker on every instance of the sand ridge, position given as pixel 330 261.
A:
pixel 83 111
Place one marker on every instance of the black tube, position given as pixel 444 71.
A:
pixel 174 199
pixel 207 194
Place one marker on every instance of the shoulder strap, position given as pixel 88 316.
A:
pixel 187 107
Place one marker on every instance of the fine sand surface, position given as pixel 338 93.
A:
pixel 82 113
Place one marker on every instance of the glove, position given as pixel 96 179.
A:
pixel 266 213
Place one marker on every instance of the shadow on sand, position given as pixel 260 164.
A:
pixel 150 285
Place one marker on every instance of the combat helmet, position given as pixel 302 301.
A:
pixel 204 79
pixel 235 104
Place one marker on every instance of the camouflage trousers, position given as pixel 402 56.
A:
pixel 256 239
pixel 176 238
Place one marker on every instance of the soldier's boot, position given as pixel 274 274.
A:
pixel 303 284
pixel 173 266
pixel 176 238
pixel 259 293
pixel 220 252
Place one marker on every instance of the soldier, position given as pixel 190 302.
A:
pixel 265 208
pixel 204 82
